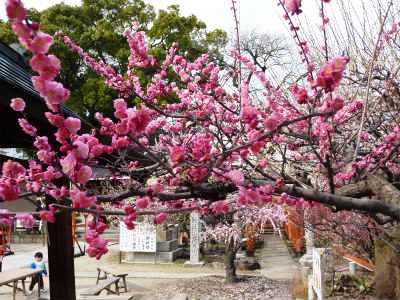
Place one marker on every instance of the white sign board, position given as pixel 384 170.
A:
pixel 141 239
pixel 318 272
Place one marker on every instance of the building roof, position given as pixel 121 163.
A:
pixel 15 81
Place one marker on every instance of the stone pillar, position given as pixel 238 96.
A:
pixel 309 237
pixel 352 268
pixel 310 290
pixel 195 238
pixel 306 261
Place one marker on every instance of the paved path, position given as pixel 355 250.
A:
pixel 275 260
pixel 23 256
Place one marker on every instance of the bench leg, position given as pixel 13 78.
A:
pixel 23 286
pixel 117 288
pixel 98 276
pixel 124 284
pixel 14 289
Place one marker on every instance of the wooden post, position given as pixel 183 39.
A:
pixel 61 257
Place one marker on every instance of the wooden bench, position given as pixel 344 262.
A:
pixel 105 285
pixel 13 276
pixel 360 262
pixel 363 263
pixel 104 273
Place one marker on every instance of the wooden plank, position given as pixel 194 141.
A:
pixel 122 283
pixel 15 275
pixel 112 273
pixel 360 262
pixel 100 286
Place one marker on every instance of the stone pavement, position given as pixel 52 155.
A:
pixel 275 260
pixel 23 256
pixel 148 276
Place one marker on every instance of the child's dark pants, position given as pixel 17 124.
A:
pixel 37 278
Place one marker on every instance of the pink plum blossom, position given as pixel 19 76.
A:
pixel 81 150
pixel 27 127
pixel 68 163
pixel 84 174
pixel 9 191
pixel 48 215
pixel 72 124
pixel 17 104
pixel 40 43
pixel 293 6
pixel 236 177
pixel 142 202
pixel 220 207
pixel 48 66
pixel 80 199
pixel 28 221
pixel 12 169
pixel 15 10
pixel 160 218
pixel 330 75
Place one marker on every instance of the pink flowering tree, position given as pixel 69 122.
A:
pixel 213 141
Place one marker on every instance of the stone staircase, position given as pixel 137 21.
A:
pixel 275 260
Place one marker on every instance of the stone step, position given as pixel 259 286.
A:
pixel 278 256
pixel 272 254
pixel 273 249
pixel 272 257
pixel 268 245
pixel 274 243
pixel 284 252
pixel 276 262
pixel 287 264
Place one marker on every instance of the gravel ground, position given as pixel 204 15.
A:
pixel 210 288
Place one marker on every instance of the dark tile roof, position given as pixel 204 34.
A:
pixel 15 81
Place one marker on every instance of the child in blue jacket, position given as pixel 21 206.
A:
pixel 38 263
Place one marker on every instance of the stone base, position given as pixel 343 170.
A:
pixel 166 246
pixel 190 264
pixel 166 234
pixel 159 257
pixel 306 262
pixel 247 264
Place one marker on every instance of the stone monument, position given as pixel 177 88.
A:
pixel 195 239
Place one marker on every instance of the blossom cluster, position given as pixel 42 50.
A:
pixel 211 135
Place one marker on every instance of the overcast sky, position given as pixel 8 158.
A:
pixel 263 15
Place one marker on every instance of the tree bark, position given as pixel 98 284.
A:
pixel 230 268
pixel 387 259
pixel 61 257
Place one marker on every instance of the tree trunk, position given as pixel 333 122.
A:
pixel 387 259
pixel 61 258
pixel 387 272
pixel 230 268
